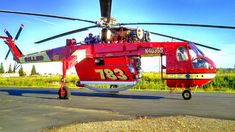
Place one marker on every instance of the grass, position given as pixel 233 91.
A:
pixel 224 81
pixel 37 81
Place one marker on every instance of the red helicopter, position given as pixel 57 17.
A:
pixel 114 57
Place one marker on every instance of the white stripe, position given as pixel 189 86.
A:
pixel 108 82
pixel 81 54
pixel 109 89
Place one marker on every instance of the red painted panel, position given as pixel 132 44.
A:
pixel 187 83
pixel 114 69
pixel 130 47
pixel 112 47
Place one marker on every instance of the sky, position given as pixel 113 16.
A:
pixel 215 12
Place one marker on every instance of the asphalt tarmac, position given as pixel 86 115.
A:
pixel 34 109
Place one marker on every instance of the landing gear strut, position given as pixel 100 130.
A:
pixel 187 95
pixel 64 91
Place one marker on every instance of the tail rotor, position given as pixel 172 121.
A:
pixel 8 34
pixel 8 52
pixel 10 37
pixel 19 31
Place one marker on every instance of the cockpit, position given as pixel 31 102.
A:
pixel 195 55
pixel 198 58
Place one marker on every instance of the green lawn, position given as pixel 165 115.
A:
pixel 224 81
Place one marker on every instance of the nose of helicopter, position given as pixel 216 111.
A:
pixel 212 66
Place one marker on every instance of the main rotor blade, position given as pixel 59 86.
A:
pixel 46 15
pixel 105 8
pixel 181 24
pixel 163 35
pixel 66 33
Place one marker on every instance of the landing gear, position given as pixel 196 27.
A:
pixel 187 95
pixel 113 86
pixel 64 93
pixel 111 89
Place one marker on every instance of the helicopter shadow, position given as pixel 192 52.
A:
pixel 22 92
pixel 118 95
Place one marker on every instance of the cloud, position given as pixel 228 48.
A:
pixel 223 58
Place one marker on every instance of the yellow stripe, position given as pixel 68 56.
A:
pixel 191 76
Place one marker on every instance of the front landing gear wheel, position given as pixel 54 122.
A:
pixel 64 93
pixel 187 95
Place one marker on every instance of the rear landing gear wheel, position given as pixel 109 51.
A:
pixel 187 94
pixel 64 93
pixel 113 87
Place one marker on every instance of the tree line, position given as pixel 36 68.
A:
pixel 21 70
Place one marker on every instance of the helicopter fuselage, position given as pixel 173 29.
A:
pixel 119 63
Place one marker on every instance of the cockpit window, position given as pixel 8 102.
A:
pixel 182 54
pixel 196 50
pixel 196 56
pixel 200 63
pixel 192 54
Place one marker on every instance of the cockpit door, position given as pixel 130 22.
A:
pixel 182 63
pixel 177 59
pixel 178 66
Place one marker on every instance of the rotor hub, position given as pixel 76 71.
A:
pixel 107 22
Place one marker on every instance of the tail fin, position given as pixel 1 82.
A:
pixel 13 48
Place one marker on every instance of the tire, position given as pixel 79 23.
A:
pixel 66 93
pixel 113 86
pixel 187 95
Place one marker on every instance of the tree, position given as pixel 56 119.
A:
pixel 33 71
pixel 10 69
pixel 21 71
pixel 1 68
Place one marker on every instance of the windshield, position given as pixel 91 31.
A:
pixel 197 57
pixel 197 51
pixel 200 63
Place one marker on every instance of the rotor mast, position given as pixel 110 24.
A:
pixel 106 20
